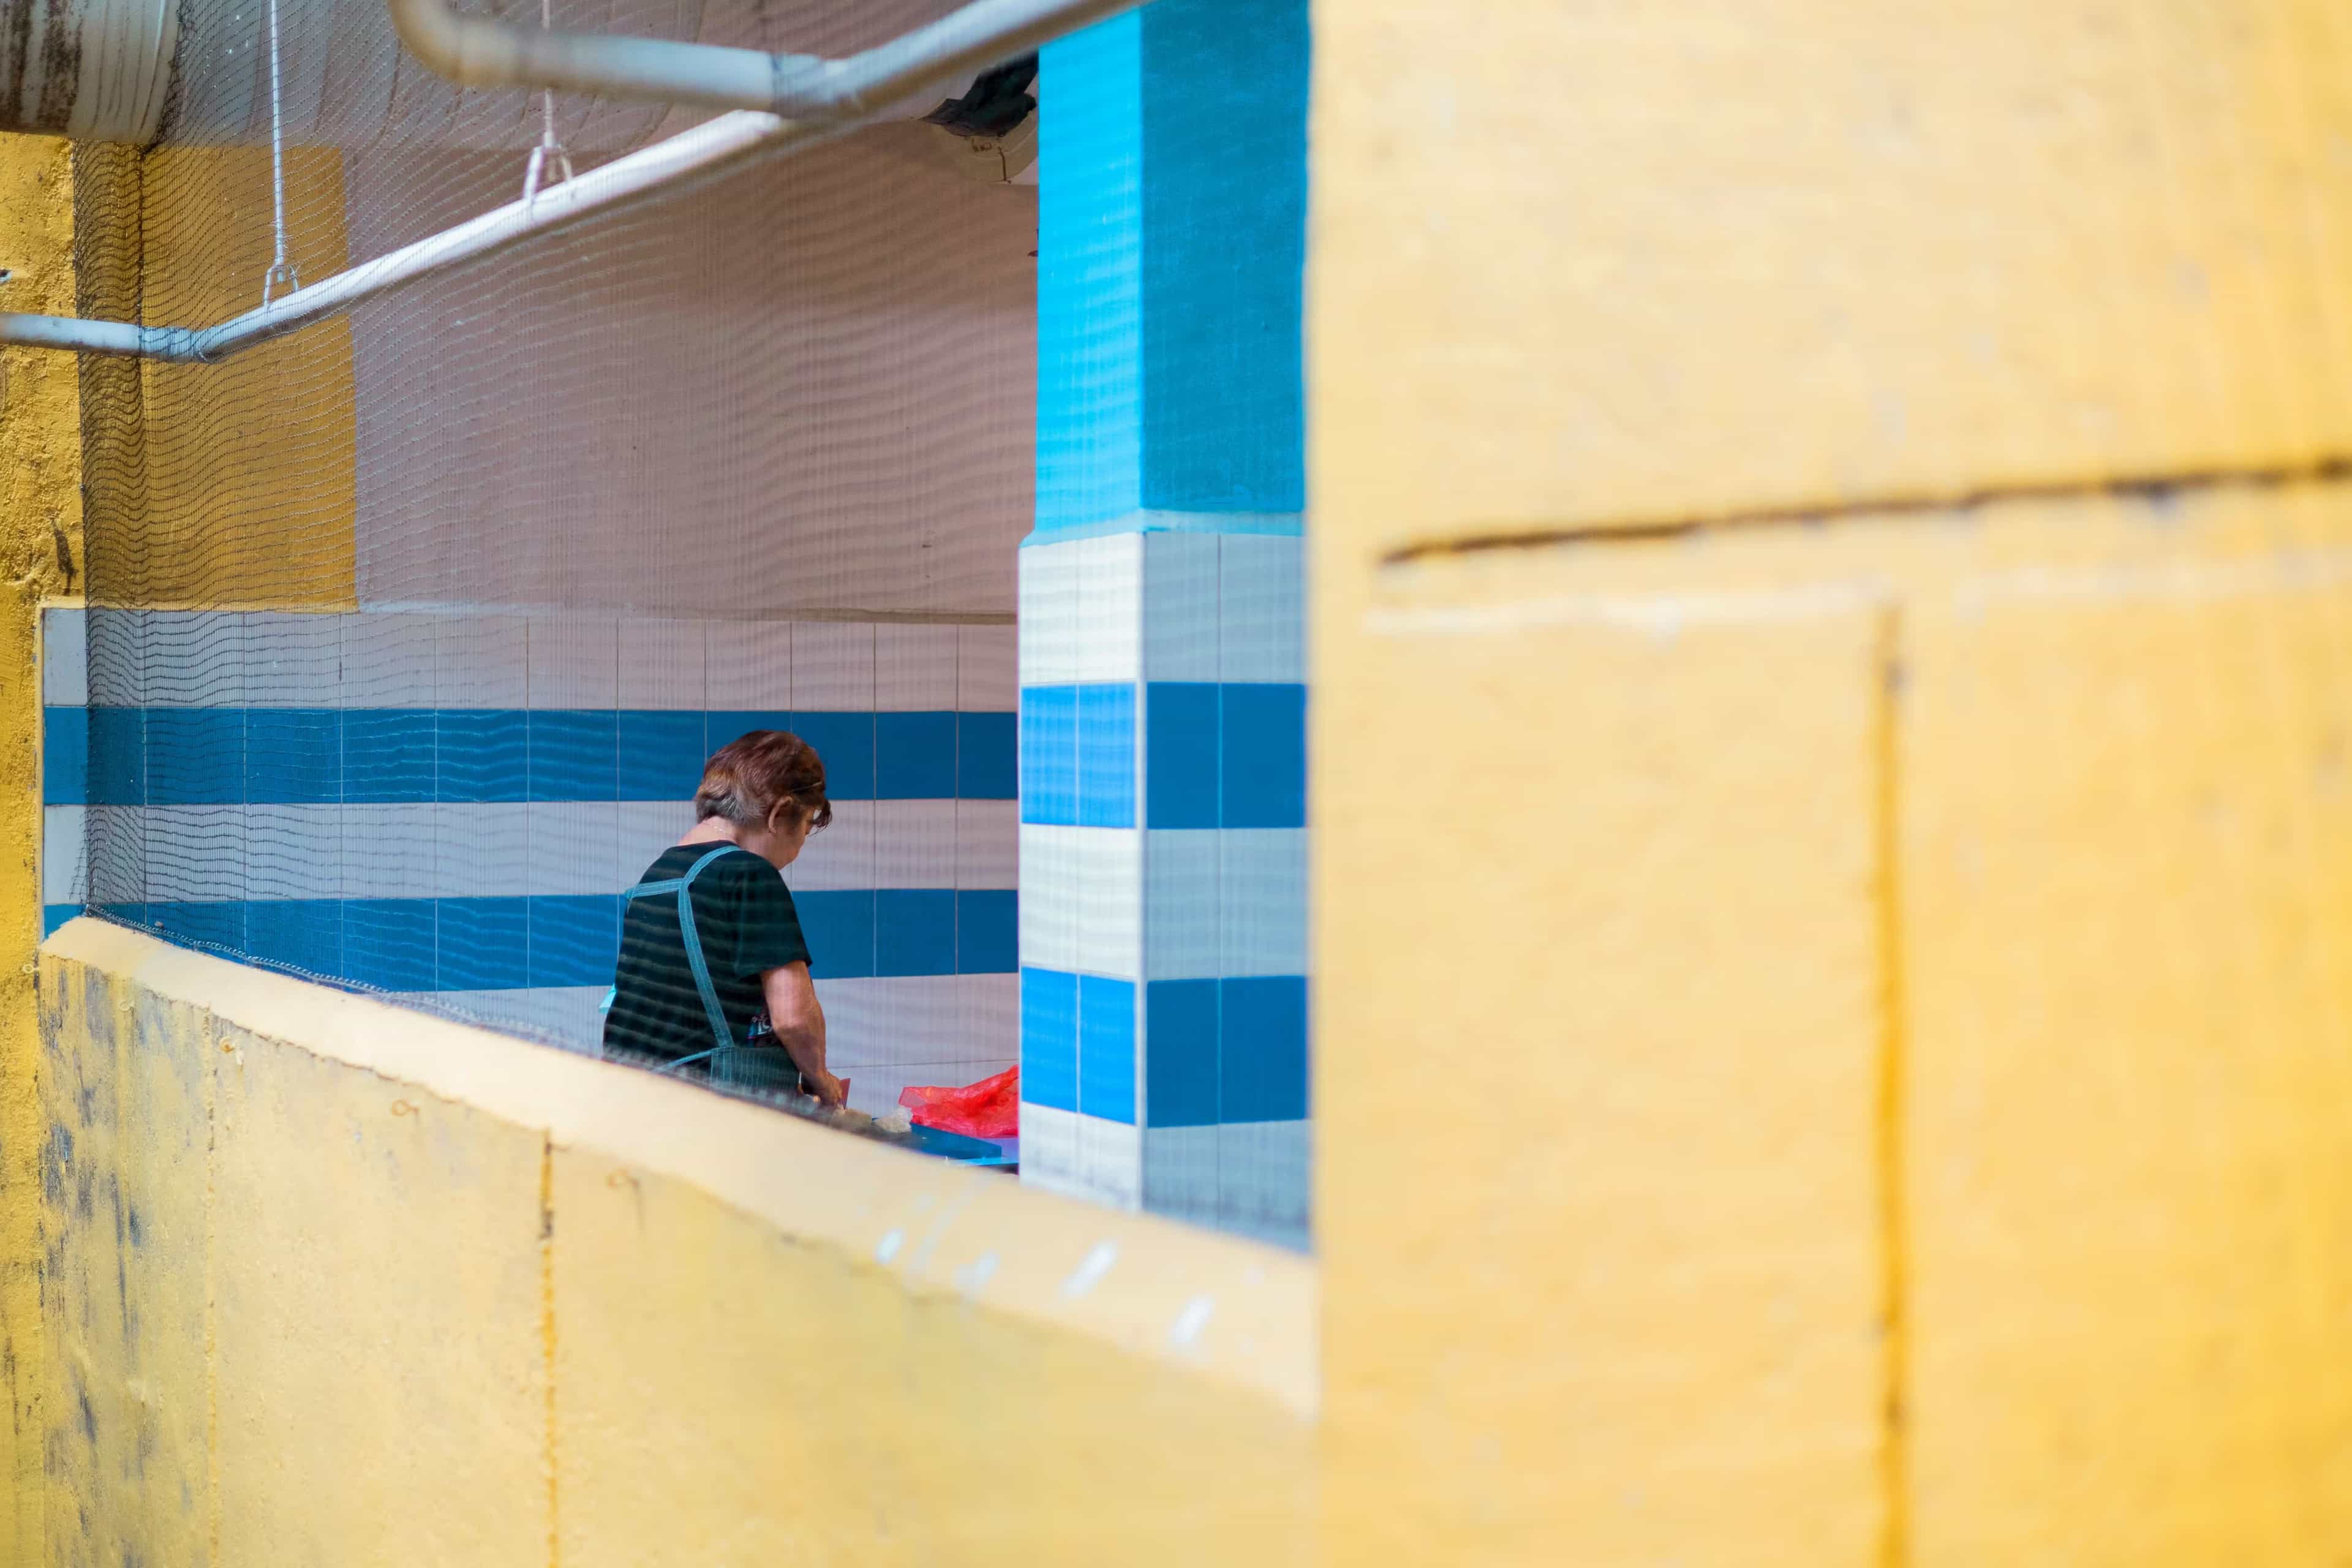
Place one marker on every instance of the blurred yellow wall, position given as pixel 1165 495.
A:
pixel 1832 625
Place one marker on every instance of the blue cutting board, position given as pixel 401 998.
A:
pixel 954 1146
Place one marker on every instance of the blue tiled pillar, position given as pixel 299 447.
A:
pixel 1163 696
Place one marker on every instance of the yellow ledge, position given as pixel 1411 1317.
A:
pixel 1233 1312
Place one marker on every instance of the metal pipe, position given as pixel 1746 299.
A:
pixel 126 338
pixel 478 51
pixel 1008 28
pixel 703 151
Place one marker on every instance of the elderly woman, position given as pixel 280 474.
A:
pixel 714 973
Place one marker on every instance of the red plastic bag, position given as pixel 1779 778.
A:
pixel 988 1109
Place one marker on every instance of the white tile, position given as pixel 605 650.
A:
pixel 195 854
pixel 574 661
pixel 482 661
pixel 65 657
pixel 1049 903
pixel 839 858
pixel 575 849
pixel 750 665
pixel 1265 1178
pixel 1108 638
pixel 393 852
pixel 1262 608
pixel 642 829
pixel 1049 1147
pixel 1180 1171
pixel 833 667
pixel 566 1016
pixel 479 851
pixel 1262 901
pixel 988 669
pixel 117 651
pixel 117 854
pixel 947 1020
pixel 195 658
pixel 914 843
pixel 294 851
pixel 1111 1162
pixel 293 661
pixel 988 1014
pixel 65 853
pixel 664 664
pixel 1081 900
pixel 570 1016
pixel 1179 606
pixel 388 659
pixel 914 668
pixel 1180 904
pixel 1049 610
pixel 1110 906
pixel 988 844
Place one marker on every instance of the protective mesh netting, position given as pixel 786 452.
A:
pixel 408 634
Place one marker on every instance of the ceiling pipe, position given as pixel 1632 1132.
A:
pixel 874 81
pixel 479 51
pixel 663 167
pixel 134 71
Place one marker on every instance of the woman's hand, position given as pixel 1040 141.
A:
pixel 799 1022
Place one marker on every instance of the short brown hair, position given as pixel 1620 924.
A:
pixel 746 779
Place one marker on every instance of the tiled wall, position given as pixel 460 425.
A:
pixel 1163 843
pixel 724 407
pixel 1163 697
pixel 446 807
pixel 805 442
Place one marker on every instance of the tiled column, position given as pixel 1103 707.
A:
pixel 1163 772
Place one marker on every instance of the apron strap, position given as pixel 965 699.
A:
pixel 684 887
pixel 694 958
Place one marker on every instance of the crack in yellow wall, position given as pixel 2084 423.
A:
pixel 1792 1126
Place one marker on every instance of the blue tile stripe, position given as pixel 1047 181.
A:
pixel 1215 755
pixel 518 943
pixel 65 756
pixel 1215 1051
pixel 1226 1050
pixel 279 756
pixel 1078 1043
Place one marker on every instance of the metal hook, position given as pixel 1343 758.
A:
pixel 279 272
pixel 548 144
pixel 538 165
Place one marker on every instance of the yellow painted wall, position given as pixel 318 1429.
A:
pixel 247 470
pixel 107 244
pixel 1832 1022
pixel 40 470
pixel 335 1282
pixel 1718 257
pixel 40 557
